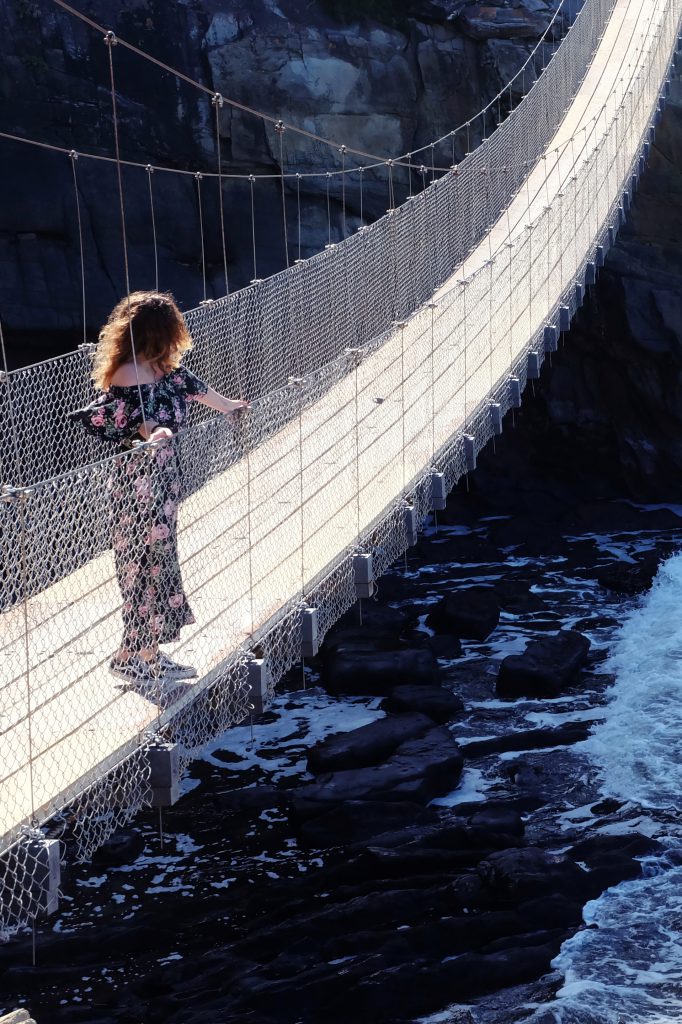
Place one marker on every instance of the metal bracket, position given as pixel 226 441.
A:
pixel 533 366
pixel 310 643
pixel 43 868
pixel 438 492
pixel 515 392
pixel 411 531
pixel 550 338
pixel 564 318
pixel 590 273
pixel 469 452
pixel 496 417
pixel 363 575
pixel 164 773
pixel 257 678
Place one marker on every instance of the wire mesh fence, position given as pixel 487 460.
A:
pixel 232 531
pixel 251 342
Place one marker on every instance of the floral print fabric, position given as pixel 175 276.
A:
pixel 145 491
pixel 116 415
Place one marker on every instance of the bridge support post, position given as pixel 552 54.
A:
pixel 551 340
pixel 438 492
pixel 310 641
pixel 41 862
pixel 515 392
pixel 164 778
pixel 533 366
pixel 564 318
pixel 600 256
pixel 496 417
pixel 363 575
pixel 411 532
pixel 579 293
pixel 257 678
pixel 470 452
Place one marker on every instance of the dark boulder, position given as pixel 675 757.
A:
pixel 370 744
pixel 530 872
pixel 357 821
pixel 377 673
pixel 439 704
pixel 529 739
pixel 470 614
pixel 497 818
pixel 379 629
pixel 545 667
pixel 121 848
pixel 445 646
pixel 418 770
pixel 628 578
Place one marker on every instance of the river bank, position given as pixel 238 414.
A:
pixel 432 861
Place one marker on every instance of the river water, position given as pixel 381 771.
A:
pixel 626 966
pixel 119 923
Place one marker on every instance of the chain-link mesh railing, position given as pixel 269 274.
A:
pixel 275 509
pixel 294 322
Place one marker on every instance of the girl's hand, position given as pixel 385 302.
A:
pixel 237 407
pixel 160 433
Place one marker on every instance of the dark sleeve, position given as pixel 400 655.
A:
pixel 109 418
pixel 188 383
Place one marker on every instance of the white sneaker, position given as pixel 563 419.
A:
pixel 135 670
pixel 173 670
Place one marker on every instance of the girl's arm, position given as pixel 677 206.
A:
pixel 217 401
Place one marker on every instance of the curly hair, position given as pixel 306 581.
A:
pixel 153 323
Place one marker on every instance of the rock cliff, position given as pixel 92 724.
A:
pixel 381 77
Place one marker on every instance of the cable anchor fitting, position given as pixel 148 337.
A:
pixel 149 169
pixel 110 38
pixel 73 155
pixel 217 100
pixel 280 127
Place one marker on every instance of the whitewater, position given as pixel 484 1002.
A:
pixel 625 967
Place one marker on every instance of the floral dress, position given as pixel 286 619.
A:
pixel 145 491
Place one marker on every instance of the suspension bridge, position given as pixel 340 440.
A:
pixel 377 370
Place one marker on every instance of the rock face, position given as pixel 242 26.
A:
pixel 382 78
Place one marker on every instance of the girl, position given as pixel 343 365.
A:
pixel 144 396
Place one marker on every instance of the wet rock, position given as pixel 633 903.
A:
pixel 625 578
pixel 528 873
pixel 468 550
pixel 418 770
pixel 367 745
pixel 470 614
pixel 445 646
pixel 438 703
pixel 249 801
pixel 553 911
pixel 378 673
pixel 498 819
pixel 357 821
pixel 531 739
pixel 121 848
pixel 612 858
pixel 545 667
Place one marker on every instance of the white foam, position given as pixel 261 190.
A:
pixel 302 720
pixel 638 747
pixel 626 966
pixel 473 786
